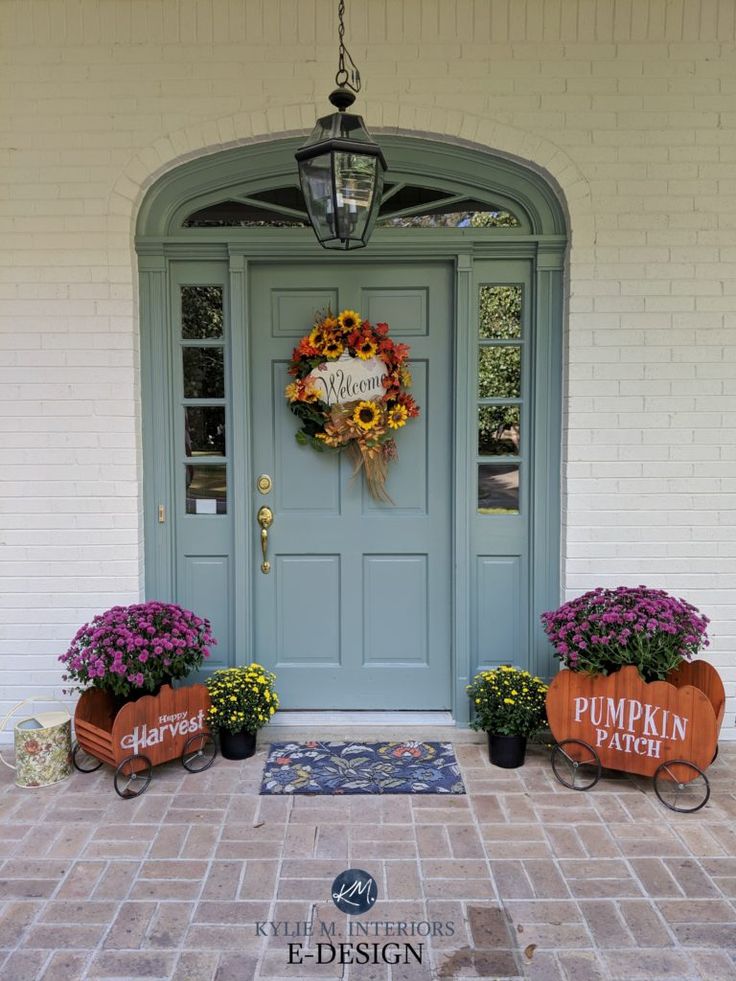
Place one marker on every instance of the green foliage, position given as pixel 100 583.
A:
pixel 507 702
pixel 493 219
pixel 451 219
pixel 201 312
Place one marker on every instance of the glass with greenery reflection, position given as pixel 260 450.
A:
pixel 204 373
pixel 499 430
pixel 500 312
pixel 201 312
pixel 204 431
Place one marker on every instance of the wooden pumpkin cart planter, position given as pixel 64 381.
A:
pixel 667 730
pixel 151 730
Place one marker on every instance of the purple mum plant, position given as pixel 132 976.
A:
pixel 129 648
pixel 605 629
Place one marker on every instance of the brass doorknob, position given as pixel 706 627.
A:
pixel 265 520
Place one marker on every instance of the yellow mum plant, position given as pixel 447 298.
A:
pixel 241 699
pixel 507 702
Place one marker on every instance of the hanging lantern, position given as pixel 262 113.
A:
pixel 340 167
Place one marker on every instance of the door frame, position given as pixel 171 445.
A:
pixel 542 240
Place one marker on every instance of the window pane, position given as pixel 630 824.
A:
pixel 206 489
pixel 204 374
pixel 204 431
pixel 201 312
pixel 500 312
pixel 499 373
pixel 451 219
pixel 240 214
pixel 443 210
pixel 412 196
pixel 498 489
pixel 498 430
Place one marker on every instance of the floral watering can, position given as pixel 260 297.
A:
pixel 43 746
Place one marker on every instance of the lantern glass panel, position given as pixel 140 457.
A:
pixel 316 180
pixel 355 185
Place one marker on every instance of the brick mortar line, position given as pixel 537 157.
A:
pixel 99 947
pixel 555 861
pixel 635 876
pixel 690 855
pixel 491 878
pixel 218 838
pixel 272 907
pixel 645 897
pixel 418 860
pixel 35 921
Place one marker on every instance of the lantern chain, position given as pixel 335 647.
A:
pixel 351 78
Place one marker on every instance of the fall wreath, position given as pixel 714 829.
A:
pixel 350 392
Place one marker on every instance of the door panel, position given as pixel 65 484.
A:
pixel 356 611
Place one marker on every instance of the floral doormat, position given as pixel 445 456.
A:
pixel 362 768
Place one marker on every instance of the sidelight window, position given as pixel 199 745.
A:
pixel 202 352
pixel 500 398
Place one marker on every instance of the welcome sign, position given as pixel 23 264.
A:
pixel 349 379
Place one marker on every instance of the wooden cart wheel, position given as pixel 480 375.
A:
pixel 83 761
pixel 682 786
pixel 199 753
pixel 132 776
pixel 576 764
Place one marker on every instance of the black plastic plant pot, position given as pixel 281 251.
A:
pixel 506 751
pixel 237 745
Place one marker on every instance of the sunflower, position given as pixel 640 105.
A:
pixel 349 320
pixel 366 415
pixel 318 336
pixel 397 416
pixel 365 348
pixel 333 347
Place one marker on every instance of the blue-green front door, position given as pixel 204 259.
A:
pixel 356 612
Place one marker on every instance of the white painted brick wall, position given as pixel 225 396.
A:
pixel 630 104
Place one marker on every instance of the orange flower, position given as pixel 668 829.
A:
pixel 305 349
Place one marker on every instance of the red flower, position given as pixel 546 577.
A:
pixel 403 750
pixel 283 760
pixel 382 329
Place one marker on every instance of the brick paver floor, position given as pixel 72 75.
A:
pixel 535 881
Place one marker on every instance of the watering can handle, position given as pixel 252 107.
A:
pixel 12 712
